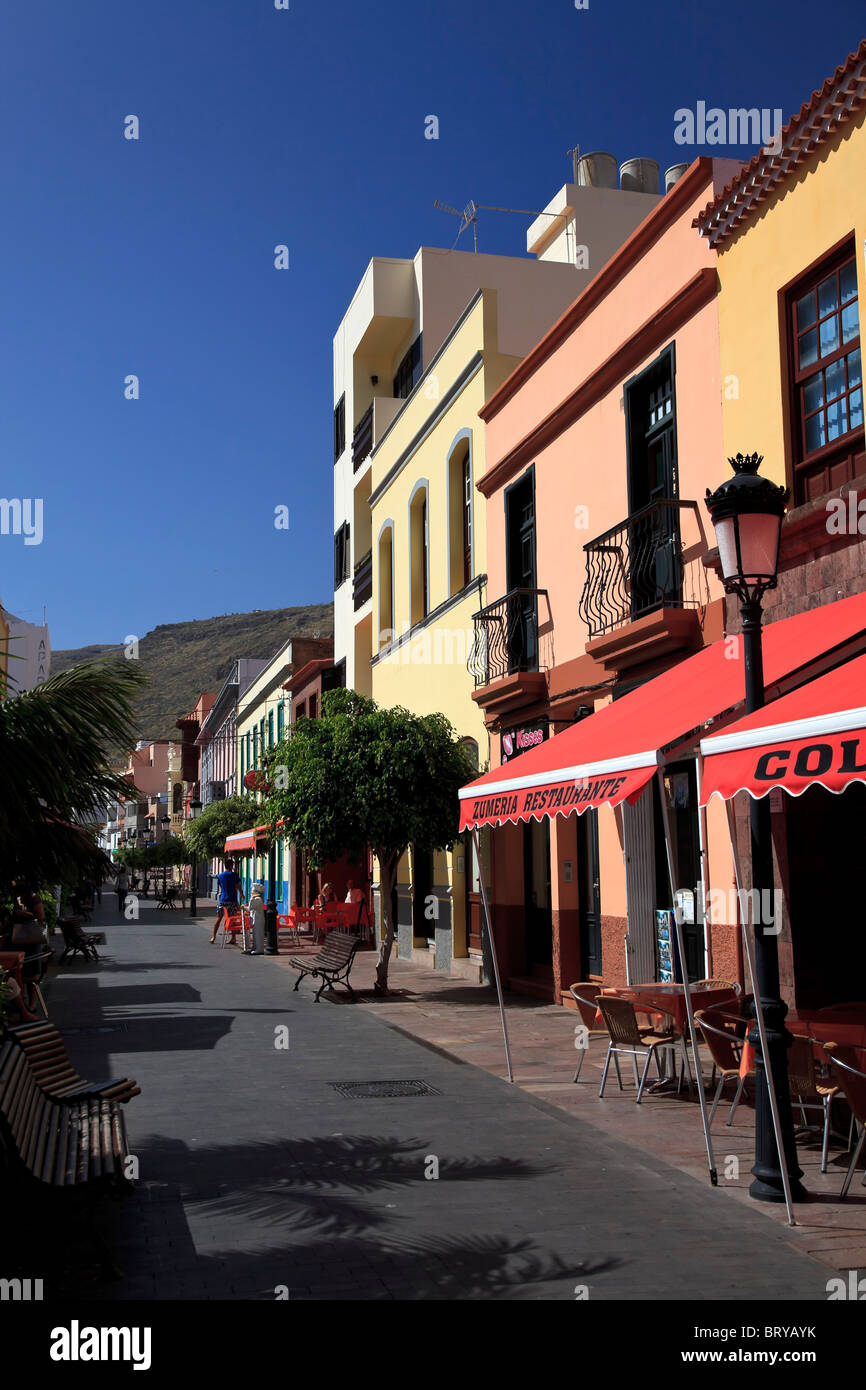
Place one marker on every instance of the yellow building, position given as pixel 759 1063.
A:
pixel 429 560
pixel 790 232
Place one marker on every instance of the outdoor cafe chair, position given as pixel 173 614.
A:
pixel 584 993
pixel 807 1091
pixel 716 983
pixel 724 1048
pixel 852 1083
pixel 627 1039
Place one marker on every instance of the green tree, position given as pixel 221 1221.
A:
pixel 57 742
pixel 361 775
pixel 206 835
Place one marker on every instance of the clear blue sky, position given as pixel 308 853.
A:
pixel 261 126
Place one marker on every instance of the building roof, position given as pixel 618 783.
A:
pixel 817 122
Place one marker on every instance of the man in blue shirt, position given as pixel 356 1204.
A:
pixel 231 893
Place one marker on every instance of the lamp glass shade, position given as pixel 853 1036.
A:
pixel 756 557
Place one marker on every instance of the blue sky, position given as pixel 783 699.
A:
pixel 257 127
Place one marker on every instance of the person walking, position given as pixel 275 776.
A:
pixel 257 920
pixel 231 894
pixel 122 886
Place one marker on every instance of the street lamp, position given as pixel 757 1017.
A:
pixel 747 512
pixel 165 822
pixel 194 812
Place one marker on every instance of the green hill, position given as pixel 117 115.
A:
pixel 182 659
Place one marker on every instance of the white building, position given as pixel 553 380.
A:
pixel 28 651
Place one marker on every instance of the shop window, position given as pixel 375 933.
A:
pixel 826 377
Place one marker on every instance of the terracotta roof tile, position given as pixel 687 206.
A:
pixel 837 102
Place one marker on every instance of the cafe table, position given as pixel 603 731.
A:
pixel 670 999
pixel 847 1027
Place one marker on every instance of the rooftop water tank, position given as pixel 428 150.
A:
pixel 597 170
pixel 639 176
pixel 673 175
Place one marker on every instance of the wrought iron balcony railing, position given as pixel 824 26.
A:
pixel 362 580
pixel 642 564
pixel 506 637
pixel 362 439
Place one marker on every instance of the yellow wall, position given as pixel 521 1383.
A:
pixel 427 672
pixel 822 205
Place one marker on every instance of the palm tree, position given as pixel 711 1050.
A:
pixel 56 747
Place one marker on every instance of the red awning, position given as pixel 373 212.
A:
pixel 612 755
pixel 815 736
pixel 244 840
pixel 248 839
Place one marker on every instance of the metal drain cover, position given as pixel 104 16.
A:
pixel 102 1028
pixel 374 1090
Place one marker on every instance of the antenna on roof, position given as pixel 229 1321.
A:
pixel 469 215
pixel 575 160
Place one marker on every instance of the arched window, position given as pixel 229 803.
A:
pixel 419 567
pixel 386 584
pixel 471 747
pixel 460 514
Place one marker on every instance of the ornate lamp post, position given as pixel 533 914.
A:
pixel 747 513
pixel 194 813
pixel 165 822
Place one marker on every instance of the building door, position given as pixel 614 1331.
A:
pixel 589 894
pixel 521 618
pixel 640 886
pixel 537 898
pixel 681 789
pixel 422 887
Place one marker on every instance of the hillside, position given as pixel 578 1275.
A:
pixel 183 659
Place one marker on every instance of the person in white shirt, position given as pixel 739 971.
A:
pixel 257 919
pixel 353 895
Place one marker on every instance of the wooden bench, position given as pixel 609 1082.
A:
pixel 49 1061
pixel 333 963
pixel 72 1148
pixel 76 941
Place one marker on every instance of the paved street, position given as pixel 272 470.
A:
pixel 256 1173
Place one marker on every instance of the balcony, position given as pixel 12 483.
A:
pixel 362 581
pixel 509 643
pixel 645 575
pixel 362 439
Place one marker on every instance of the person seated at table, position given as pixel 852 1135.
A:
pixel 353 894
pixel 326 897
pixel 231 894
pixel 28 918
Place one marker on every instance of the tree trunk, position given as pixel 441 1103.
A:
pixel 387 869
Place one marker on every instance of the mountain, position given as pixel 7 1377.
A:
pixel 182 659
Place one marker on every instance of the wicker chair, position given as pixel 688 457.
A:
pixel 584 992
pixel 718 984
pixel 724 1048
pixel 626 1038
pixel 807 1092
pixel 852 1082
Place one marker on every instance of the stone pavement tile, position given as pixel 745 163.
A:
pixel 268 1176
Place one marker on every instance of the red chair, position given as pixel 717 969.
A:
pixel 233 924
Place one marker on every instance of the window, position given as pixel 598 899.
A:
pixel 255 748
pixel 301 709
pixel 386 586
pixel 342 555
pixel 409 371
pixel 459 516
pixel 281 720
pixel 314 706
pixel 177 799
pixel 826 377
pixel 340 427
pixel 418 554
pixel 270 728
pixel 335 678
pixel 651 434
